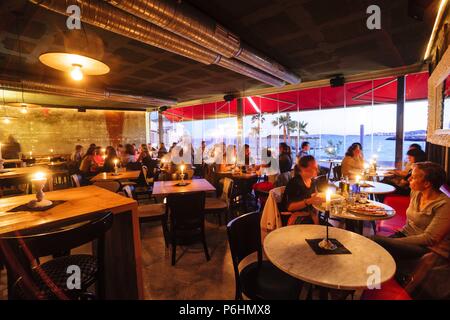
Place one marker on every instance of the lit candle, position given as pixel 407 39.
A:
pixel 115 166
pixel 328 199
pixel 39 177
pixel 182 170
pixel 51 150
pixel 31 154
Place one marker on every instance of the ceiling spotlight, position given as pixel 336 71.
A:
pixel 76 72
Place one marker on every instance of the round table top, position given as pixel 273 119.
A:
pixel 378 187
pixel 345 214
pixel 287 249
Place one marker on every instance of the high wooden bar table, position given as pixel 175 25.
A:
pixel 123 266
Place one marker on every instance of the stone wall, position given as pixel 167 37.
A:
pixel 42 129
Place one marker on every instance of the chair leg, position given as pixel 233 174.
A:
pixel 205 246
pixel 174 252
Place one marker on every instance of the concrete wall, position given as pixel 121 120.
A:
pixel 42 129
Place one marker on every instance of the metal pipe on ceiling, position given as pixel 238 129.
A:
pixel 186 21
pixel 105 16
pixel 88 94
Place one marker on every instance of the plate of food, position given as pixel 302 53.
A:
pixel 368 209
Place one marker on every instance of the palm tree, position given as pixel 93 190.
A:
pixel 287 124
pixel 258 118
pixel 301 129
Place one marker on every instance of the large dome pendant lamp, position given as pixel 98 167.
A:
pixel 81 56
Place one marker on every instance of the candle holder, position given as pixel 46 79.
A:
pixel 326 243
pixel 39 183
pixel 182 182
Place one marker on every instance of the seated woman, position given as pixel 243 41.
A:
pixel 353 162
pixel 88 166
pixel 300 194
pixel 111 155
pixel 128 155
pixel 400 179
pixel 146 159
pixel 427 227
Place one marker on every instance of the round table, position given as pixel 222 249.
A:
pixel 378 187
pixel 360 217
pixel 287 249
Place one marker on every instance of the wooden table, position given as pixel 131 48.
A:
pixel 238 176
pixel 287 249
pixel 163 188
pixel 124 175
pixel 17 162
pixel 123 268
pixel 378 187
pixel 24 172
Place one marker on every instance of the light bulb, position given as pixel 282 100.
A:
pixel 76 72
pixel 6 121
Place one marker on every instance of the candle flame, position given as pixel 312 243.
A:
pixel 39 176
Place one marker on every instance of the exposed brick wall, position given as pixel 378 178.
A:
pixel 61 129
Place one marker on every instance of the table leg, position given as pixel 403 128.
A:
pixel 123 265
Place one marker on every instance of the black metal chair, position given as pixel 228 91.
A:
pixel 49 280
pixel 186 221
pixel 259 280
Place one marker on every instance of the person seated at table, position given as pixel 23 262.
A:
pixel 353 162
pixel 284 163
pixel 247 154
pixel 304 149
pixel 98 156
pixel 111 155
pixel 88 166
pixel 300 194
pixel 427 227
pixel 400 180
pixel 407 166
pixel 77 155
pixel 128 155
pixel 161 150
pixel 146 159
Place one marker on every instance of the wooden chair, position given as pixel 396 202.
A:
pixel 187 221
pixel 149 212
pixel 76 180
pixel 259 280
pixel 49 280
pixel 222 204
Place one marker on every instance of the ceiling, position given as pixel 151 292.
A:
pixel 314 38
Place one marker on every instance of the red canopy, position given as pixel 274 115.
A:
pixel 351 94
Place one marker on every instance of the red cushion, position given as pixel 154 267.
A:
pixel 400 204
pixel 263 186
pixel 390 290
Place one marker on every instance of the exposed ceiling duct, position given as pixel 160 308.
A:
pixel 186 21
pixel 88 94
pixel 107 17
